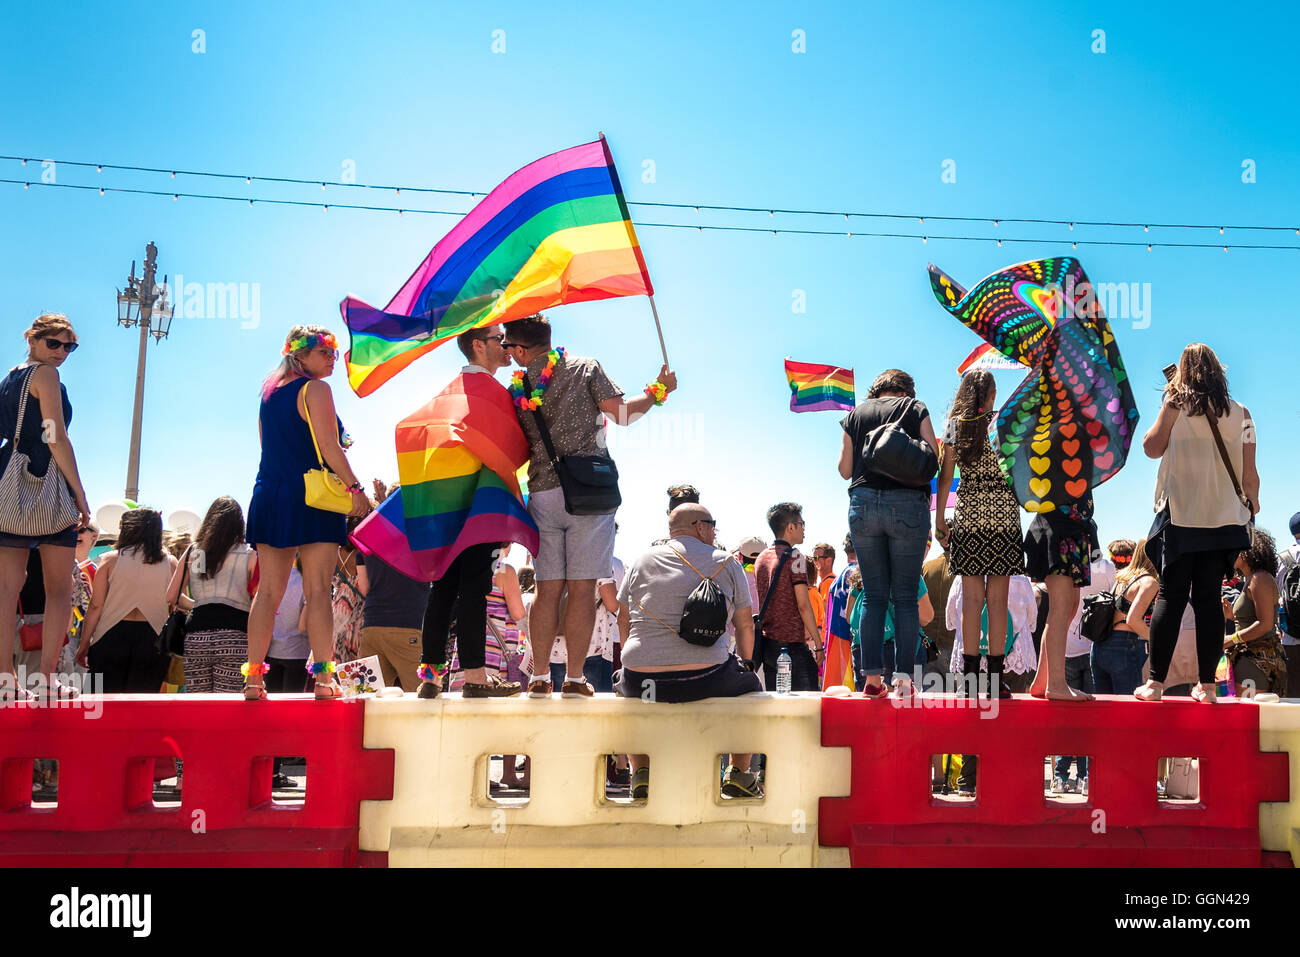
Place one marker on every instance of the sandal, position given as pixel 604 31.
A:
pixel 11 693
pixel 327 690
pixel 255 691
pixel 57 691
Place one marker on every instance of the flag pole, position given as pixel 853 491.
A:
pixel 618 189
pixel 659 329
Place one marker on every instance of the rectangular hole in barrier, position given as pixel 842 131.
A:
pixel 45 783
pixel 953 778
pixel 742 777
pixel 153 783
pixel 617 771
pixel 1178 781
pixel 509 779
pixel 289 781
pixel 1065 778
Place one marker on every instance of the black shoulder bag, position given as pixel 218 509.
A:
pixel 757 660
pixel 890 451
pixel 589 482
pixel 173 633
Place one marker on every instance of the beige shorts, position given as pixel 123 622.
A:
pixel 398 650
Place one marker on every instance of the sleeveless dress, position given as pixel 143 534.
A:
pixel 985 536
pixel 30 444
pixel 278 514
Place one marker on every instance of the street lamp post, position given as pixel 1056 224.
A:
pixel 142 303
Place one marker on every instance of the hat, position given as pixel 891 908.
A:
pixel 750 547
pixel 1295 524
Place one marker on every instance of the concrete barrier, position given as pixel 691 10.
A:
pixel 441 813
pixel 1279 823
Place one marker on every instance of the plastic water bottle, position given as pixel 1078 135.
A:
pixel 783 673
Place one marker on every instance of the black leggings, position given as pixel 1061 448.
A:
pixel 1201 574
pixel 463 588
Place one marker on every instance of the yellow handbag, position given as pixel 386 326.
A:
pixel 325 490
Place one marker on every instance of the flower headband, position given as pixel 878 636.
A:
pixel 310 342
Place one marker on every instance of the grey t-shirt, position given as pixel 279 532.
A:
pixel 570 405
pixel 661 582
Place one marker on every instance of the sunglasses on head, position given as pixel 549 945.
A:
pixel 68 347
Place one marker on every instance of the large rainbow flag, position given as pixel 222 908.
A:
pixel 814 387
pixel 456 460
pixel 556 231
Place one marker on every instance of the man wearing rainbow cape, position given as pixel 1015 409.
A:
pixel 459 500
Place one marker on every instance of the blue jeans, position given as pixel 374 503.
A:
pixel 1117 663
pixel 889 528
pixel 1078 675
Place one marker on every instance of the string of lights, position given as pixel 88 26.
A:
pixel 176 196
pixel 697 207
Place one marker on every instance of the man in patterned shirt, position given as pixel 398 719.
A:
pixel 575 550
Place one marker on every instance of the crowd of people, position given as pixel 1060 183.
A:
pixel 275 600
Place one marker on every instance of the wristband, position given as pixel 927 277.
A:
pixel 657 391
pixel 1236 637
pixel 355 488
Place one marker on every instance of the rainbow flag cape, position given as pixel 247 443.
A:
pixel 456 459
pixel 814 387
pixel 556 231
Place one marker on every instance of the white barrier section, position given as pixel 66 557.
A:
pixel 441 814
pixel 1279 824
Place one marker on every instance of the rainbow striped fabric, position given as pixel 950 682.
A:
pixel 984 356
pixel 556 231
pixel 816 387
pixel 456 459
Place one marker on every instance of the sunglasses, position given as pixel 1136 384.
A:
pixel 509 345
pixel 55 344
pixel 329 353
pixel 712 523
pixel 500 337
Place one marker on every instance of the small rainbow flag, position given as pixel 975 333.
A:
pixel 814 387
pixel 456 458
pixel 556 231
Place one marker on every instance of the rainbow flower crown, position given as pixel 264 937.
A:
pixel 310 342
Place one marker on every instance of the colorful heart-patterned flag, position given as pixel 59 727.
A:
pixel 1068 426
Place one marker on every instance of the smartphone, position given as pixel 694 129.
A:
pixel 1169 371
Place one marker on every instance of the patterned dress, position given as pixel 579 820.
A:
pixel 499 662
pixel 985 536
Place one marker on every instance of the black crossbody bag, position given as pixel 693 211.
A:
pixel 173 633
pixel 589 482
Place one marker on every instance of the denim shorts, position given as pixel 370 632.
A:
pixel 66 538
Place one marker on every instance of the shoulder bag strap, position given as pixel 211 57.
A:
pixel 185 573
pixel 22 405
pixel 307 412
pixel 1213 419
pixel 541 428
pixel 771 586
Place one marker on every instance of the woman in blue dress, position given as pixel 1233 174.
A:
pixel 280 523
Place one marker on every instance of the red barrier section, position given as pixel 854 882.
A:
pixel 890 818
pixel 106 815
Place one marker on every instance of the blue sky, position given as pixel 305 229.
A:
pixel 1156 128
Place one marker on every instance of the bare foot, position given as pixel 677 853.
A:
pixel 1069 694
pixel 1206 694
pixel 1151 691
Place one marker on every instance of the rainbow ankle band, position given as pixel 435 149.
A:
pixel 247 669
pixel 319 668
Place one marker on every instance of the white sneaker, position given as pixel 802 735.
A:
pixel 1059 786
pixel 1083 787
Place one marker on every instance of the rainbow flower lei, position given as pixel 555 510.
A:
pixel 319 668
pixel 533 402
pixel 246 669
pixel 310 342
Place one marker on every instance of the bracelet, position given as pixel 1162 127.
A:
pixel 657 391
pixel 1236 637
pixel 355 488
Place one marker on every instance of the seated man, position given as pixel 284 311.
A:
pixel 660 665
